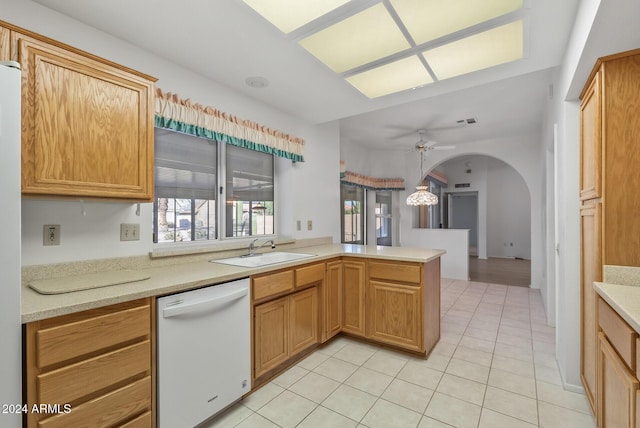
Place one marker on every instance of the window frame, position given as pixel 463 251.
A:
pixel 362 214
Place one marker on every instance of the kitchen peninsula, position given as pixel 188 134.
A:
pixel 386 295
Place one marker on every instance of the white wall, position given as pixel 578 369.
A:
pixel 305 191
pixel 455 263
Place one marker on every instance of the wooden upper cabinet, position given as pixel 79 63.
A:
pixel 610 125
pixel 87 124
pixel 5 52
pixel 591 141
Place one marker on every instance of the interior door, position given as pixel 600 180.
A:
pixel 463 214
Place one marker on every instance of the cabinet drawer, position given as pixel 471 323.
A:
pixel 142 421
pixel 270 285
pixel 78 380
pixel 64 342
pixel 107 410
pixel 620 335
pixel 395 272
pixel 309 275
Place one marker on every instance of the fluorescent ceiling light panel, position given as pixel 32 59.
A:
pixel 289 15
pixel 362 38
pixel 397 76
pixel 428 20
pixel 493 47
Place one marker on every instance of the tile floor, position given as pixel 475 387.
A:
pixel 493 367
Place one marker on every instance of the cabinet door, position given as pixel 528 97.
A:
pixel 617 389
pixel 271 335
pixel 87 126
pixel 591 141
pixel 395 314
pixel 353 303
pixel 333 300
pixel 591 271
pixel 304 320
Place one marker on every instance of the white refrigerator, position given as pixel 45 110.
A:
pixel 10 324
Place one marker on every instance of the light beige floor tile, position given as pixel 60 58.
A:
pixel 350 402
pixel 444 349
pixel 519 341
pixel 468 370
pixel 512 382
pixel 544 347
pixel 460 313
pixel 384 414
pixel 515 331
pixel 513 365
pixel 554 394
pixel 369 381
pixel 525 325
pixel 450 337
pixel 539 336
pixel 354 354
pixel 334 346
pixel 511 404
pixel 491 419
pixel 488 335
pixel 560 417
pixel 290 377
pixel 473 356
pixel 336 369
pixel 478 344
pixel 408 395
pixel 287 409
pixel 322 417
pixel 545 360
pixel 506 350
pixel 262 396
pixel 313 360
pixel 427 422
pixel 257 421
pixel 421 375
pixel 437 362
pixel 229 418
pixel 548 374
pixel 464 389
pixel 314 387
pixel 453 411
pixel 386 362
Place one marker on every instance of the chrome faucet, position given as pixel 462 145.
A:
pixel 252 247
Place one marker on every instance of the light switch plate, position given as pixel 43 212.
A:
pixel 129 231
pixel 309 225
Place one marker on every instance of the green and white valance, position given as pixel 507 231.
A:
pixel 172 112
pixel 372 183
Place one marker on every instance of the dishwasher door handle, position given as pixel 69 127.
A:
pixel 203 305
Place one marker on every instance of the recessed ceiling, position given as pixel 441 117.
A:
pixel 396 45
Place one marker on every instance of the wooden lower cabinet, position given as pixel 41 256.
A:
pixel 617 389
pixel 395 314
pixel 332 300
pixel 99 362
pixel 283 328
pixel 271 335
pixel 353 302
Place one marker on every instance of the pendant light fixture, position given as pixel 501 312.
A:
pixel 422 195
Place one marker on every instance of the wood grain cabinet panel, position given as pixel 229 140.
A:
pixel 591 147
pixel 271 335
pixel 332 301
pixel 5 41
pixel 309 275
pixel 395 271
pixel 396 315
pixel 304 330
pixel 100 361
pixel 272 284
pixel 617 389
pixel 353 301
pixel 87 124
pixel 621 336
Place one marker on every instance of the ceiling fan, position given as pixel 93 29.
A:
pixel 423 145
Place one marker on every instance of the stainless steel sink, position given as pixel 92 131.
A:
pixel 262 259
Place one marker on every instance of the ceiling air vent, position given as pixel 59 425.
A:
pixel 469 121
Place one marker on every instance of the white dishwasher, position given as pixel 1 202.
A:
pixel 204 361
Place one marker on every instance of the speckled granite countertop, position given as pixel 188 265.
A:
pixel 172 278
pixel 621 290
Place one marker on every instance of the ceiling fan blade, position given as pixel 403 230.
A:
pixel 442 147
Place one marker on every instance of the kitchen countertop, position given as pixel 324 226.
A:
pixel 174 278
pixel 621 290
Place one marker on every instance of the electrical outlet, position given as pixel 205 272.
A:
pixel 309 225
pixel 129 231
pixel 51 234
